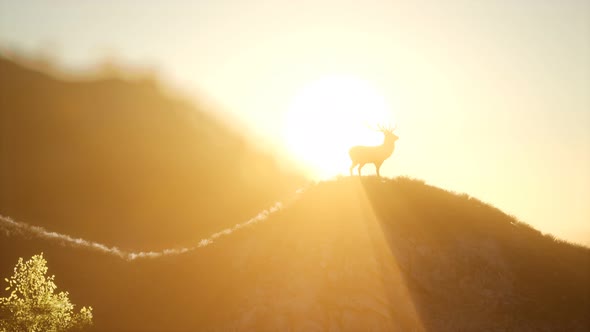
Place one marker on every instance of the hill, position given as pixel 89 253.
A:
pixel 123 163
pixel 346 255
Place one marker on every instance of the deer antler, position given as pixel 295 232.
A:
pixel 387 128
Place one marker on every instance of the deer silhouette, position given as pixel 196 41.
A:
pixel 361 155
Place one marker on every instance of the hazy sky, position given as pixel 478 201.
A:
pixel 492 98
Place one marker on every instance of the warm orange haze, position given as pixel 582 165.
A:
pixel 274 166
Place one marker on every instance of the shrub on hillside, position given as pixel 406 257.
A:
pixel 33 305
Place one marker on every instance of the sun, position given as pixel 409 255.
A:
pixel 330 115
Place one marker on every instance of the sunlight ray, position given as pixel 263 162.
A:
pixel 393 282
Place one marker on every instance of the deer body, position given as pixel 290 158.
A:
pixel 361 155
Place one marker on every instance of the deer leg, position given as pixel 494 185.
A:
pixel 360 168
pixel 377 167
pixel 352 168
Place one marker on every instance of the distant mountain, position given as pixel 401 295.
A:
pixel 121 162
pixel 348 255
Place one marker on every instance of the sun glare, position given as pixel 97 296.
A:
pixel 327 117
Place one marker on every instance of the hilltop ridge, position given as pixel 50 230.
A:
pixel 398 254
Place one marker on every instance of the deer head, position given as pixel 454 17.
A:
pixel 387 131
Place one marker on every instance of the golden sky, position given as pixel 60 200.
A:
pixel 491 98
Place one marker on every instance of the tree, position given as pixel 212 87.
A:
pixel 33 304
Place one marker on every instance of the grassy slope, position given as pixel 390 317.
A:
pixel 348 255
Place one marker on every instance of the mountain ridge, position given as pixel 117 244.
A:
pixel 108 159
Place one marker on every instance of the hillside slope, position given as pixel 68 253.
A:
pixel 347 255
pixel 402 255
pixel 123 163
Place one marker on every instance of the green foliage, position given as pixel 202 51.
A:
pixel 33 305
